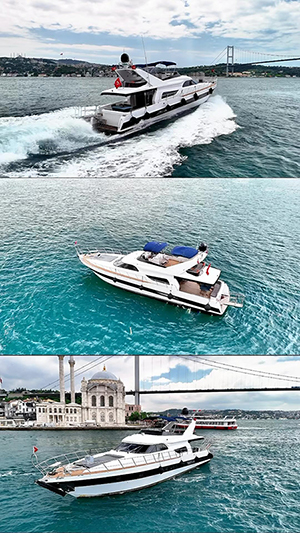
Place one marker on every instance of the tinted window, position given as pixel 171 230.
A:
pixel 128 267
pixel 168 93
pixel 181 450
pixel 159 280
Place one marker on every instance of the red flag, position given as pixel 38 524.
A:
pixel 207 270
pixel 118 83
pixel 35 449
pixel 61 54
pixel 1 380
pixel 75 242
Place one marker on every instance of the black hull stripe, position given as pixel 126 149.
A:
pixel 178 299
pixel 69 486
pixel 164 110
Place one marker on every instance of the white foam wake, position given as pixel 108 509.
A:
pixel 151 153
pixel 156 153
pixel 49 133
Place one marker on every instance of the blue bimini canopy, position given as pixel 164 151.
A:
pixel 155 247
pixel 184 251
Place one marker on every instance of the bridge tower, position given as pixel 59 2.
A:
pixel 137 397
pixel 230 60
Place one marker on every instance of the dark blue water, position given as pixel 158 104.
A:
pixel 51 303
pixel 250 486
pixel 250 128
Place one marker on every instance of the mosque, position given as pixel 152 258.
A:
pixel 103 401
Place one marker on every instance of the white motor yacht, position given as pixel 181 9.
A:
pixel 180 277
pixel 148 94
pixel 141 460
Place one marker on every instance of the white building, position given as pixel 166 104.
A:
pixel 52 413
pixel 103 400
pixel 21 409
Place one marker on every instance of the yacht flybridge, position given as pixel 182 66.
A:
pixel 149 94
pixel 141 460
pixel 180 277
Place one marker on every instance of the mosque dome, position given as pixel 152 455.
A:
pixel 105 375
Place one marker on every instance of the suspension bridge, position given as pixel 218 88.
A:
pixel 191 374
pixel 232 55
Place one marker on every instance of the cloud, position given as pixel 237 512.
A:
pixel 272 23
pixel 39 371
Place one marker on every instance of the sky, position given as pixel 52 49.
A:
pixel 163 372
pixel 190 32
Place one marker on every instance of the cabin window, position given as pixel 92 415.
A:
pixel 93 401
pixel 168 94
pixel 187 83
pixel 159 280
pixel 128 267
pixel 181 450
pixel 142 99
pixel 102 401
pixel 111 401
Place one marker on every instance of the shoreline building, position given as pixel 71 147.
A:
pixel 103 401
pixel 60 413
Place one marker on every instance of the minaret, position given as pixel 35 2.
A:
pixel 72 376
pixel 62 379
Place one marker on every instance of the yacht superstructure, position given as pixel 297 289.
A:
pixel 180 277
pixel 141 460
pixel 149 94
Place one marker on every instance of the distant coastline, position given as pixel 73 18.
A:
pixel 11 67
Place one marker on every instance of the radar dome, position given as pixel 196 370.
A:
pixel 125 58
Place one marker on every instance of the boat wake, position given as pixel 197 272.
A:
pixel 59 145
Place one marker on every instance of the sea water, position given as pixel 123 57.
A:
pixel 51 303
pixel 249 128
pixel 250 486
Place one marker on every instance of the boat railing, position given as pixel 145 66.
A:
pixel 66 463
pixel 79 250
pixel 86 111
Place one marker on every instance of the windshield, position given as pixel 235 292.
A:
pixel 140 448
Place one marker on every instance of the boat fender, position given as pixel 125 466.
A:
pixel 196 96
pixel 183 101
pixel 211 90
pixel 146 115
pixel 170 296
pixel 207 307
pixel 168 108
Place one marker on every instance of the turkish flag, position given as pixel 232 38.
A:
pixel 35 449
pixel 118 83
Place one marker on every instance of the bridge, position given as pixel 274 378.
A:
pixel 232 55
pixel 191 374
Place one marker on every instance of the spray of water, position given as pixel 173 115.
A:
pixel 152 153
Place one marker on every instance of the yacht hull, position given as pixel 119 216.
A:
pixel 143 124
pixel 97 488
pixel 173 299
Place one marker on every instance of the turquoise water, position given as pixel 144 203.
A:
pixel 50 303
pixel 251 486
pixel 249 128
